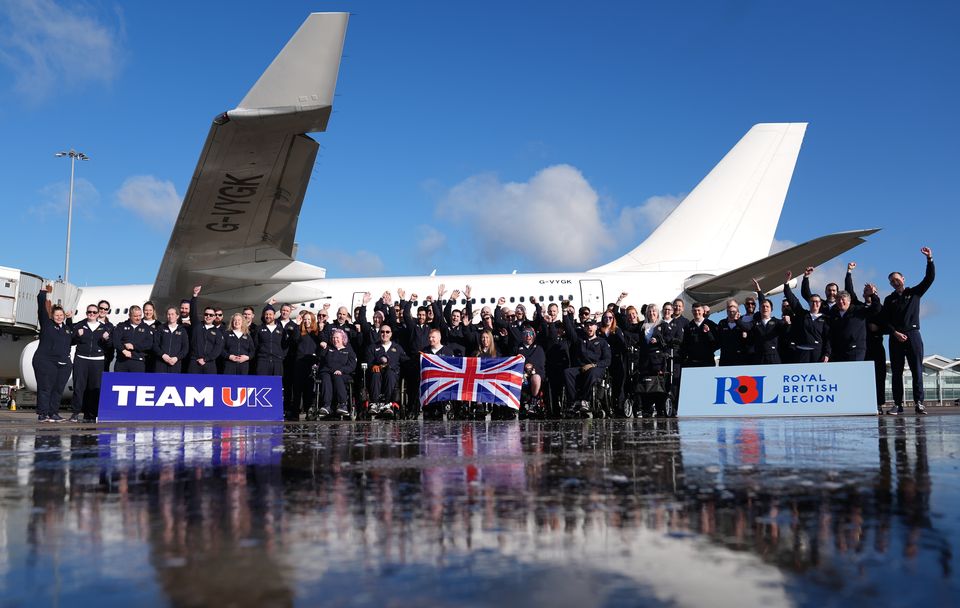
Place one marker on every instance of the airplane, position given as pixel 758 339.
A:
pixel 235 231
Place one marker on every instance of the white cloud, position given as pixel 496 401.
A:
pixel 45 45
pixel 156 201
pixel 361 263
pixel 642 219
pixel 51 202
pixel 553 219
pixel 929 309
pixel 430 241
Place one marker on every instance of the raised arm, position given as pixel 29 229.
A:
pixel 43 316
pixel 928 276
pixel 568 325
pixel 760 296
pixel 790 296
pixel 848 285
pixel 195 318
pixel 805 284
pixel 364 324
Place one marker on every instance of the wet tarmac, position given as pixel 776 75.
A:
pixel 774 512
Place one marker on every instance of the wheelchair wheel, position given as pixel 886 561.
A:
pixel 670 406
pixel 628 406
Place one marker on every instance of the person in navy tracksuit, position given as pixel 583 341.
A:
pixel 338 363
pixel 171 344
pixel 811 327
pixel 51 362
pixel 385 359
pixel 91 339
pixel 901 312
pixel 133 340
pixel 206 339
pixel 271 341
pixel 238 347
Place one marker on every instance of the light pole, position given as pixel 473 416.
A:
pixel 74 156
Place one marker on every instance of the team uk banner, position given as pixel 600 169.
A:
pixel 807 389
pixel 471 379
pixel 163 397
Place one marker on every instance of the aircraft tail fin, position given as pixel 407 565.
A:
pixel 730 218
pixel 303 77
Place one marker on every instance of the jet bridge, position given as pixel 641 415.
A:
pixel 19 324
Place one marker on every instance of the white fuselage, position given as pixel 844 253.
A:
pixel 594 290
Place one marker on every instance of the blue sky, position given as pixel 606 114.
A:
pixel 440 103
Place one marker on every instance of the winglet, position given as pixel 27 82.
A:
pixel 303 77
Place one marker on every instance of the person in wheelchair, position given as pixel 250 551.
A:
pixel 337 364
pixel 590 356
pixel 534 370
pixel 649 380
pixel 435 346
pixel 384 359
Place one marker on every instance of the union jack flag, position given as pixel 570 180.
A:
pixel 471 379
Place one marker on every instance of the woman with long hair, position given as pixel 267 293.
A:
pixel 487 347
pixel 238 347
pixel 306 346
pixel 651 360
pixel 614 336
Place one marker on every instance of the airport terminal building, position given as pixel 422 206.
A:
pixel 941 380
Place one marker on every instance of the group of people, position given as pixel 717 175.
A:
pixel 839 326
pixel 566 351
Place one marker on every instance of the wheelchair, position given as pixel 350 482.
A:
pixel 601 400
pixel 368 410
pixel 648 394
pixel 314 413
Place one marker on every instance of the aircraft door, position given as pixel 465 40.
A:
pixel 591 295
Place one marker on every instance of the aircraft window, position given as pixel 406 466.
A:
pixel 463 301
pixel 551 298
pixel 116 312
pixel 511 299
pixel 125 310
pixel 311 304
pixel 570 298
pixel 521 298
pixel 541 298
pixel 483 300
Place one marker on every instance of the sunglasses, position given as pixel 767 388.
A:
pixel 91 312
pixel 385 333
pixel 104 309
pixel 209 314
pixel 219 314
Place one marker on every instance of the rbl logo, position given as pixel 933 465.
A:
pixel 742 390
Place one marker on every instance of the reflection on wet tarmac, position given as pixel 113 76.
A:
pixel 580 513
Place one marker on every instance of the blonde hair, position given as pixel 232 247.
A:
pixel 244 327
pixel 493 345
